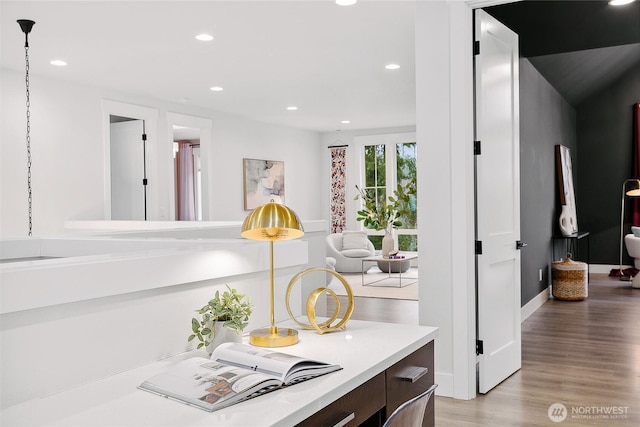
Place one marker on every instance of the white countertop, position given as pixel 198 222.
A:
pixel 363 350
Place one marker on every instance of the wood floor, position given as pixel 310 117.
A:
pixel 584 355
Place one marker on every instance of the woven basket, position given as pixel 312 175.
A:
pixel 569 280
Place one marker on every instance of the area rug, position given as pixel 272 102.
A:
pixel 383 286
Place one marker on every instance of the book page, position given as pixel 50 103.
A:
pixel 283 366
pixel 208 384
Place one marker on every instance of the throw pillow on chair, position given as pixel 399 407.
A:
pixel 352 240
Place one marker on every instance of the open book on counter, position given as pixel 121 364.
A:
pixel 234 373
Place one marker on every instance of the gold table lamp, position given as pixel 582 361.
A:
pixel 272 221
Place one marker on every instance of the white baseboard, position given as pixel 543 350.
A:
pixel 445 381
pixel 535 303
pixel 445 384
pixel 603 268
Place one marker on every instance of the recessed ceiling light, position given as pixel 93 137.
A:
pixel 58 62
pixel 392 66
pixel 204 37
pixel 345 122
pixel 346 2
pixel 620 2
pixel 216 88
pixel 292 108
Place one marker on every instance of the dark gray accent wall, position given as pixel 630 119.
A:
pixel 604 129
pixel 546 119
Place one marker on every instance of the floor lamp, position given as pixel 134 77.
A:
pixel 631 188
pixel 272 221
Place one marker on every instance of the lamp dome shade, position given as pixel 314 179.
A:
pixel 272 221
pixel 632 187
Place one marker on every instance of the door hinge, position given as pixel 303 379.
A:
pixel 479 347
pixel 144 136
pixel 476 47
pixel 478 247
pixel 477 148
pixel 144 181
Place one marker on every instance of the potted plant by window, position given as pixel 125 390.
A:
pixel 222 320
pixel 385 214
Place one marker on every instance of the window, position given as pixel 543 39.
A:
pixel 384 166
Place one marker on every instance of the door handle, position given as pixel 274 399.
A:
pixel 520 244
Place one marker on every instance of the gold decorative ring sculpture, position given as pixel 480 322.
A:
pixel 312 300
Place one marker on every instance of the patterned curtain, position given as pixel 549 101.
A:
pixel 337 189
pixel 635 218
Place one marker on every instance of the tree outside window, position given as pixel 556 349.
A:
pixel 385 167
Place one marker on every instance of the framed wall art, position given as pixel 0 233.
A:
pixel 263 182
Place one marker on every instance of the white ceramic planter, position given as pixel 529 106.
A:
pixel 222 335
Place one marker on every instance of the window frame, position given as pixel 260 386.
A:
pixel 389 141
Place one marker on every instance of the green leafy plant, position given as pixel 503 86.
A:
pixel 386 214
pixel 229 307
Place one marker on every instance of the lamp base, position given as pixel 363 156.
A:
pixel 273 337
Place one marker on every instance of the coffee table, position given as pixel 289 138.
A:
pixel 391 261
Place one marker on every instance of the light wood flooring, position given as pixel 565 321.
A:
pixel 584 355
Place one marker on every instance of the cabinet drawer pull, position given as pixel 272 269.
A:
pixel 412 373
pixel 343 422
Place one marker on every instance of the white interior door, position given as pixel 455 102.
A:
pixel 127 171
pixel 498 201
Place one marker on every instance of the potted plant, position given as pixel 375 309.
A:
pixel 222 319
pixel 385 214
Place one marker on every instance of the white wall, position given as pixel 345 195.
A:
pixel 68 165
pixel 444 125
pixel 93 316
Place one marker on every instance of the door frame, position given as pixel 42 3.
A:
pixel 444 112
pixel 206 126
pixel 499 263
pixel 150 116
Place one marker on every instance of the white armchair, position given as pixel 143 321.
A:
pixel 632 242
pixel 348 249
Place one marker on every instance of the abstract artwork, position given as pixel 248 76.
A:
pixel 263 182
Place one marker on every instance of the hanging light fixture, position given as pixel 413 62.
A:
pixel 26 25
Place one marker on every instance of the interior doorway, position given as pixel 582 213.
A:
pixel 187 173
pixel 190 198
pixel 130 173
pixel 497 106
pixel 127 150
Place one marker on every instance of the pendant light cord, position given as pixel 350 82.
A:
pixel 29 195
pixel 26 25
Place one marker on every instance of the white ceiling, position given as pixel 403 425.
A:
pixel 326 59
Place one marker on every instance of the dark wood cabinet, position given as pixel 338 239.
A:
pixel 410 377
pixel 372 402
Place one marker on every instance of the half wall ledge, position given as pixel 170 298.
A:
pixel 41 272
